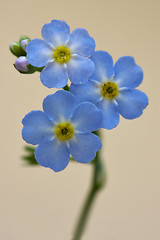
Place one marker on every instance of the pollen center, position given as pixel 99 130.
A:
pixel 109 90
pixel 64 131
pixel 62 54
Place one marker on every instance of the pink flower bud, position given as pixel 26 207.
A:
pixel 21 64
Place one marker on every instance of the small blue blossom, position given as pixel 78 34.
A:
pixel 64 54
pixel 112 88
pixel 63 128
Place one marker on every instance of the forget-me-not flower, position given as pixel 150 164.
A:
pixel 112 88
pixel 63 128
pixel 64 54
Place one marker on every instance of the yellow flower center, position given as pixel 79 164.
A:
pixel 109 90
pixel 64 131
pixel 62 54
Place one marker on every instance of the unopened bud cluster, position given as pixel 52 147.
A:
pixel 19 50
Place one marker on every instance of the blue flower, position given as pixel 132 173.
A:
pixel 112 88
pixel 64 55
pixel 63 128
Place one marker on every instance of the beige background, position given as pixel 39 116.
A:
pixel 38 204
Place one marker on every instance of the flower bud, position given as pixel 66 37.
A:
pixel 21 64
pixel 24 43
pixel 23 37
pixel 16 49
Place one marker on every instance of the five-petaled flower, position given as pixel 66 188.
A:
pixel 112 88
pixel 64 55
pixel 63 128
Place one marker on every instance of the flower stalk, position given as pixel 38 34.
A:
pixel 98 182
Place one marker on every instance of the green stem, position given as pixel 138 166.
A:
pixel 98 182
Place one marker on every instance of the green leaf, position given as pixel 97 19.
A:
pixel 29 157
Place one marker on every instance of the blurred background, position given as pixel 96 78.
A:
pixel 35 202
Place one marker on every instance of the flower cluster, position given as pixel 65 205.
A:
pixel 99 93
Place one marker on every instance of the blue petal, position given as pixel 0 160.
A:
pixel 39 53
pixel 37 127
pixel 59 106
pixel 84 147
pixel 88 92
pixel 81 43
pixel 103 66
pixel 54 75
pixel 86 117
pixel 131 103
pixel 110 113
pixel 56 33
pixel 53 154
pixel 127 72
pixel 80 69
